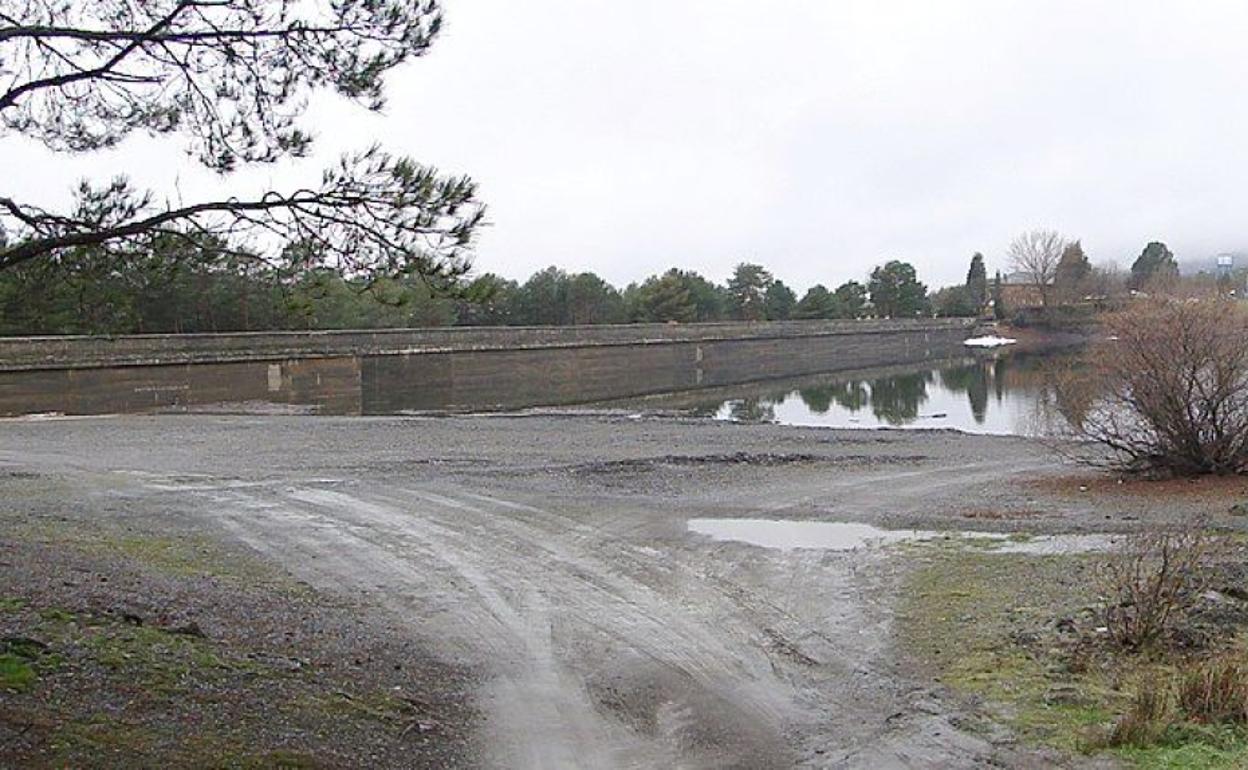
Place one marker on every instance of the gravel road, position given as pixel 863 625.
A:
pixel 550 555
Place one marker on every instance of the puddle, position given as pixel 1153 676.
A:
pixel 852 536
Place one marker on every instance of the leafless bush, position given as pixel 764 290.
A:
pixel 1149 580
pixel 1167 390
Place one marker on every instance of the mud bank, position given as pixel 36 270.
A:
pixel 549 560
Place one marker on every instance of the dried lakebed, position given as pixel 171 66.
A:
pixel 579 575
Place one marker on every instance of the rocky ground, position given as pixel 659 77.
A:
pixel 503 591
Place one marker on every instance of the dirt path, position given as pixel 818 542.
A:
pixel 551 555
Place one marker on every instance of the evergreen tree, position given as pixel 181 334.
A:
pixel 977 282
pixel 779 301
pixel 1155 263
pixel 998 298
pixel 543 299
pixel 851 299
pixel 666 298
pixel 710 302
pixel 817 302
pixel 230 79
pixel 954 302
pixel 592 300
pixel 896 292
pixel 489 300
pixel 747 290
pixel 1072 273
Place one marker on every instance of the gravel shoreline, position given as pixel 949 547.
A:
pixel 529 579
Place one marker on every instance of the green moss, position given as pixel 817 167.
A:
pixel 12 604
pixel 186 555
pixel 75 742
pixel 16 673
pixel 377 706
pixel 958 617
pixel 57 615
pixel 166 663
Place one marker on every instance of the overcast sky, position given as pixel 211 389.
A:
pixel 817 137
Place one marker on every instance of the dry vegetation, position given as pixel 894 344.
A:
pixel 1150 577
pixel 1167 391
pixel 1138 653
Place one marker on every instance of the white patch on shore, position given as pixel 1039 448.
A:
pixel 991 341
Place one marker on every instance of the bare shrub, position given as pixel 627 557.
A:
pixel 1214 691
pixel 1167 391
pixel 1150 579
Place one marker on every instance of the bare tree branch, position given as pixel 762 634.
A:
pixel 1036 255
pixel 1168 391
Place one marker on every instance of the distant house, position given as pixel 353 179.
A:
pixel 1019 291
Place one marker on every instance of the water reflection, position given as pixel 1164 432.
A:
pixel 751 410
pixel 1008 394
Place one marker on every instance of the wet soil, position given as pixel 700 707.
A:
pixel 533 577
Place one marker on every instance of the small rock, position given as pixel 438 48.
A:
pixel 189 629
pixel 1239 509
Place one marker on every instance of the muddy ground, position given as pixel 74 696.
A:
pixel 503 591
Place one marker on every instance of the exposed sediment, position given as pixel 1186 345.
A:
pixel 549 559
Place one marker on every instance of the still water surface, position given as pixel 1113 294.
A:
pixel 852 536
pixel 1005 394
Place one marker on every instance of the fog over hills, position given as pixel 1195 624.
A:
pixel 1209 264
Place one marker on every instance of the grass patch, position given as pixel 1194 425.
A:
pixel 79 744
pixel 968 615
pixel 16 673
pixel 186 555
pixel 1190 747
pixel 163 662
pixel 12 604
pixel 959 610
pixel 183 557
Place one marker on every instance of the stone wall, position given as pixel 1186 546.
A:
pixel 74 352
pixel 380 372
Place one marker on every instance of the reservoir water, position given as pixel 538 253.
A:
pixel 1006 393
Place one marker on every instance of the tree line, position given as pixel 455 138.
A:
pixel 381 240
pixel 176 286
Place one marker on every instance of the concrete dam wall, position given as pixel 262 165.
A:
pixel 449 369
